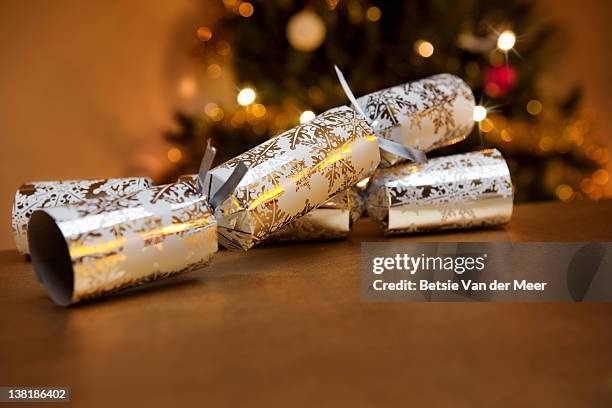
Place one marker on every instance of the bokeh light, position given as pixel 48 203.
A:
pixel 424 48
pixel 214 71
pixel 246 96
pixel 204 34
pixel 258 110
pixel 246 9
pixel 480 113
pixel 307 116
pixel 534 107
pixel 174 155
pixel 373 13
pixel 506 40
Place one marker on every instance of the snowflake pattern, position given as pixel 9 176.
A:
pixel 426 114
pixel 35 196
pixel 311 163
pixel 463 190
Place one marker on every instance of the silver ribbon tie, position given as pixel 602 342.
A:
pixel 389 146
pixel 228 187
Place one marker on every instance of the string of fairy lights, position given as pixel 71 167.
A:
pixel 305 32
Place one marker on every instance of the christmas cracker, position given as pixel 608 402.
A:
pixel 293 173
pixel 459 191
pixel 425 115
pixel 102 245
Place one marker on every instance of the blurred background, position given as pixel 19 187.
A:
pixel 108 89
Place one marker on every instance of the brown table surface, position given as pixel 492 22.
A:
pixel 285 325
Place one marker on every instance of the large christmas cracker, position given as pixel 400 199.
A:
pixel 293 173
pixel 458 191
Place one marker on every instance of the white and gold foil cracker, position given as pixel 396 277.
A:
pixel 427 114
pixel 293 173
pixel 459 191
pixel 45 194
pixel 103 245
pixel 331 220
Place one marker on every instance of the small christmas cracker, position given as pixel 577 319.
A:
pixel 34 196
pixel 293 173
pixel 459 191
pixel 425 114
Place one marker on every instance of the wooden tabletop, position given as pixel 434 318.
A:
pixel 285 325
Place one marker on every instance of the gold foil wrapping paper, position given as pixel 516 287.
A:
pixel 331 220
pixel 34 196
pixel 459 191
pixel 291 174
pixel 425 114
pixel 102 245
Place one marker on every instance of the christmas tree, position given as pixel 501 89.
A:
pixel 282 53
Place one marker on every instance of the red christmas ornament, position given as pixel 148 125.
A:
pixel 498 81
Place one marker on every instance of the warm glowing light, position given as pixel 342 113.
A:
pixel 373 13
pixel 534 107
pixel 174 155
pixel 506 40
pixel 246 96
pixel 307 116
pixel 305 31
pixel 486 125
pixel 564 192
pixel 587 185
pixel 204 34
pixel 187 87
pixel 424 48
pixel 214 111
pixel 600 177
pixel 211 108
pixel 246 9
pixel 480 113
pixel 214 71
pixel 506 135
pixel 258 110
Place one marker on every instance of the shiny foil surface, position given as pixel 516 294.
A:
pixel 427 114
pixel 293 173
pixel 102 245
pixel 331 220
pixel 45 194
pixel 459 191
